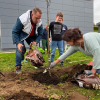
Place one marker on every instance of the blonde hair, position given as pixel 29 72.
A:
pixel 60 14
pixel 37 9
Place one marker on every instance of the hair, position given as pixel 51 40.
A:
pixel 74 34
pixel 60 14
pixel 37 9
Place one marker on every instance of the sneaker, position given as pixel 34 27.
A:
pixel 62 64
pixel 18 70
pixel 24 61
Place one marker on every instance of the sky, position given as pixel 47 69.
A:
pixel 96 11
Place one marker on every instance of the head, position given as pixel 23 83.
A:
pixel 59 17
pixel 36 15
pixel 72 35
pixel 46 27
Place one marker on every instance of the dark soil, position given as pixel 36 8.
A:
pixel 30 85
pixel 23 95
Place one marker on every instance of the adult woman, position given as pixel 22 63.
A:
pixel 88 43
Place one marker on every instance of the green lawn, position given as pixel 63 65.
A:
pixel 7 60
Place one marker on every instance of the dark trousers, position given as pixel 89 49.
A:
pixel 44 44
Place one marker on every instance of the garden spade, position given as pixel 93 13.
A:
pixel 46 70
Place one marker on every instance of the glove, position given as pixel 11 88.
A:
pixel 53 64
pixel 88 72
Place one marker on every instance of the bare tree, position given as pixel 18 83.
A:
pixel 48 4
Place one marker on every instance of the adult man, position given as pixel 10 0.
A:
pixel 27 27
pixel 56 33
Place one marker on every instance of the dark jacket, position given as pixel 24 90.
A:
pixel 64 29
pixel 44 34
pixel 22 29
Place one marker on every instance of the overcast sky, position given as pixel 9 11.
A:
pixel 96 11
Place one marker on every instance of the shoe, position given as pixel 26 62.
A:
pixel 25 61
pixel 62 64
pixel 18 70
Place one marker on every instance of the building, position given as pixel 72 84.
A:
pixel 77 13
pixel 95 28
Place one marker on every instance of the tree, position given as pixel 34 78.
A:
pixel 48 4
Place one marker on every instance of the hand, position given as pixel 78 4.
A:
pixel 53 64
pixel 19 45
pixel 88 72
pixel 49 39
pixel 35 43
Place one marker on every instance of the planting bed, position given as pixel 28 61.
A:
pixel 38 86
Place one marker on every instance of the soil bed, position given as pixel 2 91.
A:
pixel 30 85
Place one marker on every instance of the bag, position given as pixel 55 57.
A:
pixel 34 56
pixel 87 81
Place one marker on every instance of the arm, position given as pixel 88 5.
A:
pixel 44 30
pixel 70 51
pixel 94 70
pixel 49 29
pixel 40 33
pixel 49 32
pixel 66 28
pixel 16 31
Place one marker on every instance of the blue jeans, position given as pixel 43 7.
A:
pixel 54 44
pixel 19 55
pixel 98 71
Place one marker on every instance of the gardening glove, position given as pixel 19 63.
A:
pixel 88 72
pixel 53 64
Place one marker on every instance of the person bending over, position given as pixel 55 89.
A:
pixel 27 27
pixel 88 43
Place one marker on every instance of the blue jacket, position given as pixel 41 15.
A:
pixel 64 29
pixel 22 29
pixel 44 34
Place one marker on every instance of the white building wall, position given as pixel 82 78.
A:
pixel 77 13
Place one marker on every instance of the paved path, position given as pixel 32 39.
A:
pixel 6 52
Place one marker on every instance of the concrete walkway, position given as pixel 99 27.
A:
pixel 6 52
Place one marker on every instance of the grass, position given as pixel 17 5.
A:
pixel 1 98
pixel 7 63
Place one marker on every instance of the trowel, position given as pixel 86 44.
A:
pixel 46 70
